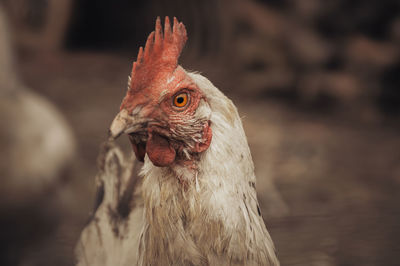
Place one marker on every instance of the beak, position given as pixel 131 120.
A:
pixel 157 147
pixel 124 123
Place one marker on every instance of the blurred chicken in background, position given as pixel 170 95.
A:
pixel 37 145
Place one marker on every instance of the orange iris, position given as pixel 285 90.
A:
pixel 181 99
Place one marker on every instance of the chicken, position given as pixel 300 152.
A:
pixel 37 147
pixel 194 202
pixel 36 141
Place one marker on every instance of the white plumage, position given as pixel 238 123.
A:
pixel 151 220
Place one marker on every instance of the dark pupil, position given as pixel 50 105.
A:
pixel 180 100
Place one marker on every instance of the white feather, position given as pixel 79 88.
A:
pixel 213 219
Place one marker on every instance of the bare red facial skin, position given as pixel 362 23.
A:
pixel 156 102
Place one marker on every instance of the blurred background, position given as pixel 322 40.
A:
pixel 316 82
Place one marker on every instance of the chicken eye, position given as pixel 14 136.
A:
pixel 181 99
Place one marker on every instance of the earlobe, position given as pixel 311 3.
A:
pixel 207 137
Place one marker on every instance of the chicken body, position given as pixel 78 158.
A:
pixel 196 203
pixel 37 148
pixel 36 141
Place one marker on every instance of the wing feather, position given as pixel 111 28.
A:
pixel 112 233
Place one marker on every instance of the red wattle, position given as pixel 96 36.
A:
pixel 159 150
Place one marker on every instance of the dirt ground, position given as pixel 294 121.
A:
pixel 328 183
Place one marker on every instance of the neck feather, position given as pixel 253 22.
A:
pixel 219 209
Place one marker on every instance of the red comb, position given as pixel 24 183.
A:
pixel 160 54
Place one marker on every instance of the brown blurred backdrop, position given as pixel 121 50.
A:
pixel 316 82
